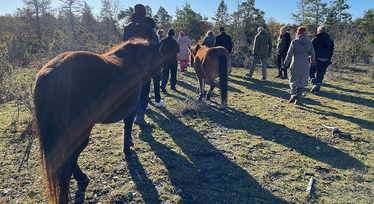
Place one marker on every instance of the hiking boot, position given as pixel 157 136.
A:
pixel 173 88
pixel 314 81
pixel 159 104
pixel 284 77
pixel 293 98
pixel 278 76
pixel 263 79
pixel 139 120
pixel 315 89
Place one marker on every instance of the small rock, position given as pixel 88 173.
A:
pixel 318 148
pixel 179 191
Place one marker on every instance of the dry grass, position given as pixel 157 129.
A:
pixel 259 150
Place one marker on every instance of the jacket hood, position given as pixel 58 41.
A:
pixel 138 18
pixel 263 32
pixel 183 38
pixel 303 39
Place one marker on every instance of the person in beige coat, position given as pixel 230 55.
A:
pixel 301 55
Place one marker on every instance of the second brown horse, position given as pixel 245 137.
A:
pixel 211 63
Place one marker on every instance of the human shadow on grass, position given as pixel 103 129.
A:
pixel 143 184
pixel 204 174
pixel 302 143
pixel 346 98
pixel 360 122
pixel 346 90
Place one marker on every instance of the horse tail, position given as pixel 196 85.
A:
pixel 49 129
pixel 223 77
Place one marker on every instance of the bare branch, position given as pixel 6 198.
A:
pixel 336 130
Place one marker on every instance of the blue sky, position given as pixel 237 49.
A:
pixel 278 9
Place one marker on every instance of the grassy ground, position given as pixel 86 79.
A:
pixel 259 150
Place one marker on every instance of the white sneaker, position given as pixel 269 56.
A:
pixel 248 77
pixel 182 73
pixel 159 103
pixel 263 79
pixel 148 107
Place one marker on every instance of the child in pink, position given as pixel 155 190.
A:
pixel 183 43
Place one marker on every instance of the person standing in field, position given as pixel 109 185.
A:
pixel 183 43
pixel 223 40
pixel 169 45
pixel 301 55
pixel 324 48
pixel 209 39
pixel 261 51
pixel 142 27
pixel 284 41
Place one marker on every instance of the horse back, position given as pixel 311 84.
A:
pixel 83 84
pixel 209 61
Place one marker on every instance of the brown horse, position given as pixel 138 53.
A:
pixel 211 63
pixel 74 91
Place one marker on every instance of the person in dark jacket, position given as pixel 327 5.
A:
pixel 284 41
pixel 209 39
pixel 169 51
pixel 324 48
pixel 141 26
pixel 223 40
pixel 261 52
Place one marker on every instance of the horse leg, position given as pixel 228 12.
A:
pixel 79 176
pixel 201 88
pixel 127 140
pixel 212 86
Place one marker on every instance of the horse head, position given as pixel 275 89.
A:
pixel 193 51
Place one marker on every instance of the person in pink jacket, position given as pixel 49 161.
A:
pixel 183 43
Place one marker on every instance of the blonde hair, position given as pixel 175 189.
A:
pixel 322 29
pixel 210 33
pixel 284 27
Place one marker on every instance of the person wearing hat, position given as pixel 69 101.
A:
pixel 183 43
pixel 300 52
pixel 141 26
pixel 261 51
pixel 223 40
pixel 169 51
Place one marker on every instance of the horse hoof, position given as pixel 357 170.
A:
pixel 84 183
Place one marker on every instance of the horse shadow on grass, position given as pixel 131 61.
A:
pixel 202 174
pixel 300 142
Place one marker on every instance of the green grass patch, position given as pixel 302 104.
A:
pixel 261 149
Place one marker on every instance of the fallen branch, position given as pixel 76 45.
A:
pixel 336 130
pixel 310 185
pixel 280 100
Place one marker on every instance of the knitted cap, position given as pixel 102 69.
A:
pixel 171 32
pixel 181 33
pixel 139 8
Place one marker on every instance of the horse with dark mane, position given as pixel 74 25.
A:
pixel 77 89
pixel 211 63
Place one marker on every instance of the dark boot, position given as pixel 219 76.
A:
pixel 139 120
pixel 293 98
pixel 279 75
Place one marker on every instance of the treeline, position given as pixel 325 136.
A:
pixel 37 32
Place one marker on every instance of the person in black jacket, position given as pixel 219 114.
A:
pixel 142 27
pixel 324 48
pixel 223 40
pixel 169 51
pixel 284 41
